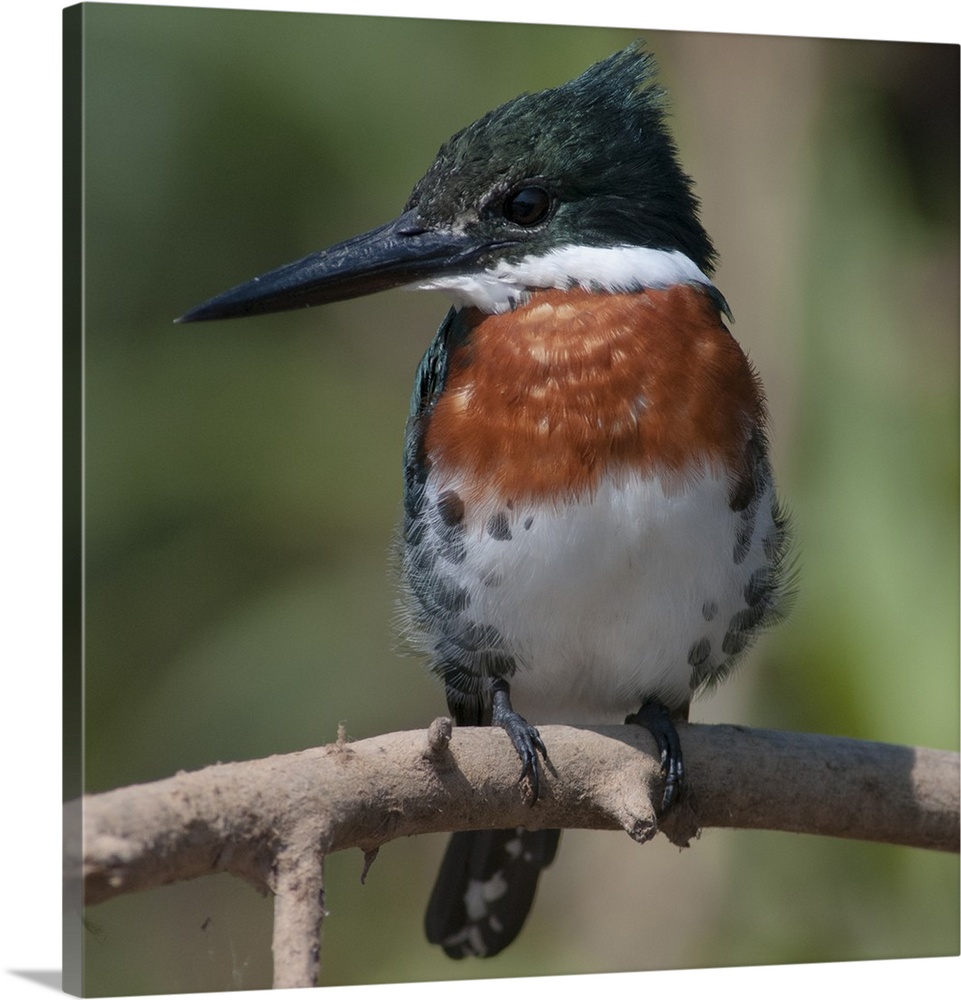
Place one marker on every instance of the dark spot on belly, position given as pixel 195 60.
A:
pixel 448 525
pixel 744 534
pixel 773 541
pixel 414 528
pixel 450 546
pixel 699 657
pixel 451 508
pixel 498 527
pixel 749 480
pixel 419 563
pixel 759 587
pixel 740 630
pixel 474 637
pixel 465 677
pixel 749 487
pixel 449 596
pixel 699 652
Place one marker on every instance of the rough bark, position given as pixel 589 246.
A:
pixel 273 821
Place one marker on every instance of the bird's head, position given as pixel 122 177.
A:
pixel 576 185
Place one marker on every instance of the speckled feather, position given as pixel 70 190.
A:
pixel 590 508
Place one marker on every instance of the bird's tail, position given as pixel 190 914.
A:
pixel 485 888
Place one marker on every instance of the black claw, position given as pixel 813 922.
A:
pixel 526 739
pixel 656 719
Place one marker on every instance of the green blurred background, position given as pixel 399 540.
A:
pixel 242 480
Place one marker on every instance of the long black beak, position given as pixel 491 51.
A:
pixel 402 252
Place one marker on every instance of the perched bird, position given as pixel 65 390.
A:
pixel 590 528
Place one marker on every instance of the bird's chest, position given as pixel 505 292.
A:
pixel 577 528
pixel 542 403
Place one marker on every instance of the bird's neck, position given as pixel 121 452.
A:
pixel 506 285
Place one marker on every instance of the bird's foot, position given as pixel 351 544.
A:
pixel 656 719
pixel 526 739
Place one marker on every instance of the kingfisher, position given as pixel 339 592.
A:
pixel 591 531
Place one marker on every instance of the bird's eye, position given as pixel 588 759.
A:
pixel 527 206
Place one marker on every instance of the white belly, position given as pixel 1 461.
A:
pixel 636 593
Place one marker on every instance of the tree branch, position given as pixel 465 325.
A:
pixel 273 821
